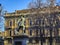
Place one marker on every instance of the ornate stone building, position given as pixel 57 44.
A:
pixel 41 28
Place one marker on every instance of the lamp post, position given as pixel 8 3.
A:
pixel 0 15
pixel 0 9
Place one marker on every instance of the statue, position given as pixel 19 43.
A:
pixel 21 24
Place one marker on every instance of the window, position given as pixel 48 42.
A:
pixel 9 41
pixel 10 32
pixel 56 32
pixel 10 23
pixel 36 30
pixel 37 40
pixel 31 32
pixel 57 39
pixel 30 22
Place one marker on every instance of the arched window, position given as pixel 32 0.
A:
pixel 10 23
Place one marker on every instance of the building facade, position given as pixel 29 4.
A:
pixel 41 28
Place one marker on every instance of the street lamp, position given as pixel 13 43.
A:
pixel 0 9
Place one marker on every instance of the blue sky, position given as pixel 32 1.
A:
pixel 12 5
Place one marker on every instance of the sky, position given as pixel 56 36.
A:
pixel 11 6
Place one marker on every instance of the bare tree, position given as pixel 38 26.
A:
pixel 31 5
pixel 51 3
pixel 35 4
pixel 38 3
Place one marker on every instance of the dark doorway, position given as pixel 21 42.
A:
pixel 18 43
pixel 1 43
